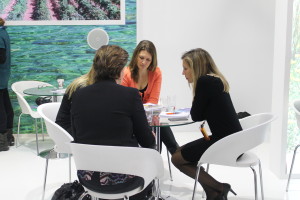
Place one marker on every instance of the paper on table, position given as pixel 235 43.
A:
pixel 154 108
pixel 177 114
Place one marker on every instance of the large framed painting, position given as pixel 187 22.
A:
pixel 63 12
pixel 48 53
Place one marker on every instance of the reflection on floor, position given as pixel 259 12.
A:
pixel 22 175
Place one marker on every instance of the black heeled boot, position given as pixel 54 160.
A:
pixel 10 138
pixel 3 142
pixel 226 189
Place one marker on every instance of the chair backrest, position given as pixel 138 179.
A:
pixel 25 107
pixel 296 107
pixel 142 162
pixel 60 136
pixel 19 87
pixel 228 149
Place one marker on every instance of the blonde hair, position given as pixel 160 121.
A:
pixel 82 81
pixel 148 46
pixel 108 64
pixel 202 64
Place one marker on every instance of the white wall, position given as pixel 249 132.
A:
pixel 239 34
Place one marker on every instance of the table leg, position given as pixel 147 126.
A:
pixel 157 137
pixel 54 98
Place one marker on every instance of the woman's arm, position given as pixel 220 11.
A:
pixel 126 79
pixel 200 101
pixel 155 86
pixel 141 129
pixel 63 117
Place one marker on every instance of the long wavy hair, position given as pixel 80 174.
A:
pixel 202 64
pixel 108 64
pixel 150 48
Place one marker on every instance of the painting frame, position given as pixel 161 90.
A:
pixel 120 21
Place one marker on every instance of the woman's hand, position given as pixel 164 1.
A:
pixel 153 134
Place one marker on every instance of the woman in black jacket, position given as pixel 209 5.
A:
pixel 211 103
pixel 97 110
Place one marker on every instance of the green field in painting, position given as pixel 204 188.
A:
pixel 46 53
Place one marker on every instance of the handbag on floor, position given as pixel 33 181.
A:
pixel 71 191
pixel 42 100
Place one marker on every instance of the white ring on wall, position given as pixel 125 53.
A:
pixel 97 38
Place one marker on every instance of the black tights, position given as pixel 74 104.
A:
pixel 211 186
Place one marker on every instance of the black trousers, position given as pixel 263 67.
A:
pixel 6 111
pixel 167 137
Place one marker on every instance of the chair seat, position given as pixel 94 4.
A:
pixel 131 184
pixel 247 159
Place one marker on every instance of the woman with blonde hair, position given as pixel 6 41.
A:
pixel 211 103
pixel 63 117
pixel 103 112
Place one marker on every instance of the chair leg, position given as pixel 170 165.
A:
pixel 196 181
pixel 255 183
pixel 19 123
pixel 36 137
pixel 157 131
pixel 154 189
pixel 157 189
pixel 207 167
pixel 261 181
pixel 42 125
pixel 169 162
pixel 45 177
pixel 291 169
pixel 69 155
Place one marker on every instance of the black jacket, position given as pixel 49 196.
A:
pixel 106 113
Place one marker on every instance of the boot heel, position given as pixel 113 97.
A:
pixel 232 191
pixel 226 189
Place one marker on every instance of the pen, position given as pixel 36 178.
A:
pixel 170 113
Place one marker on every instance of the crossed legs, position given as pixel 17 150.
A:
pixel 212 188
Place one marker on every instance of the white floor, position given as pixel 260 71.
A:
pixel 22 175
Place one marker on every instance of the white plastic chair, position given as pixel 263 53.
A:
pixel 296 108
pixel 227 150
pixel 18 88
pixel 59 135
pixel 142 162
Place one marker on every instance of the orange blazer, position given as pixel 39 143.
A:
pixel 151 95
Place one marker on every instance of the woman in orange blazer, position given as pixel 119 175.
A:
pixel 144 74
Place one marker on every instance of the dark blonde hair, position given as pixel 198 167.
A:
pixel 148 46
pixel 202 64
pixel 108 64
pixel 2 22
